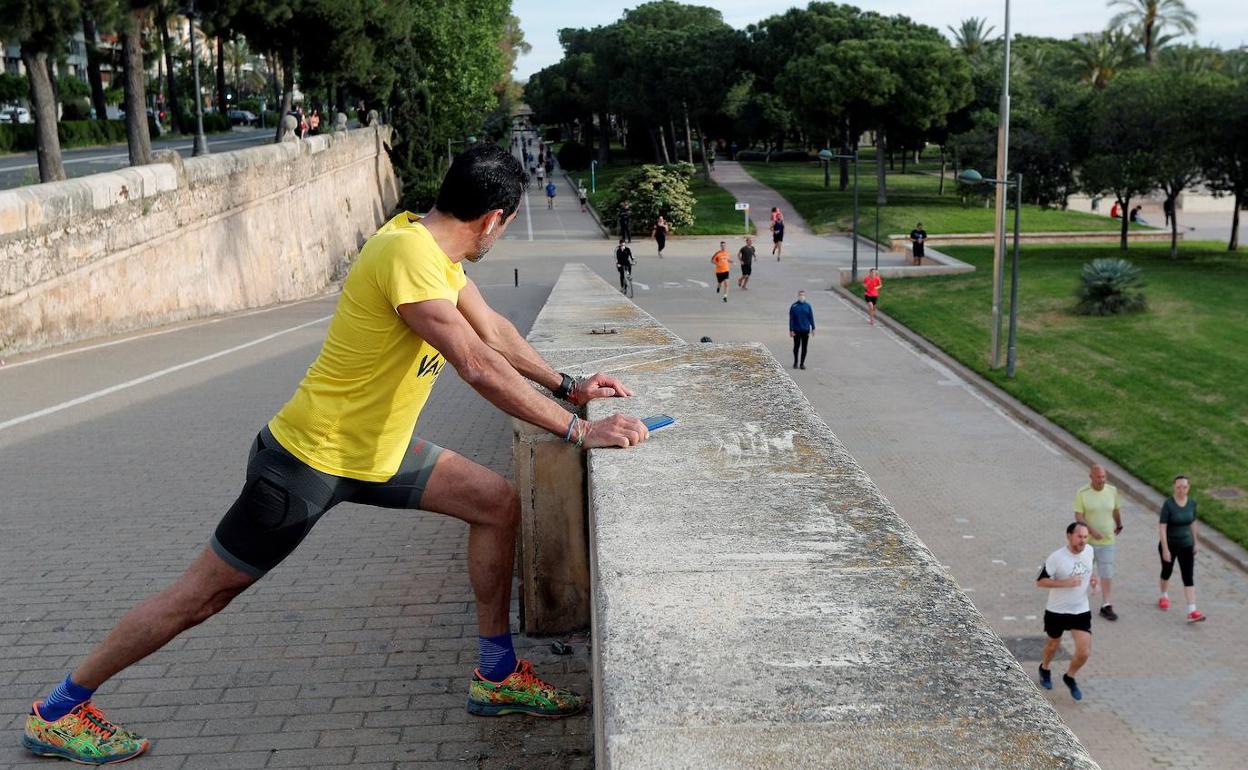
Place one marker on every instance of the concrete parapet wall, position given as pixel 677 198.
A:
pixel 180 239
pixel 757 603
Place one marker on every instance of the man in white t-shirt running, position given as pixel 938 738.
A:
pixel 1067 573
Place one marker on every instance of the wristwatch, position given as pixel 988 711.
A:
pixel 565 387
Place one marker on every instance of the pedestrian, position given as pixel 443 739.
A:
pixel 871 292
pixel 710 156
pixel 303 124
pixel 550 165
pixel 732 151
pixel 747 263
pixel 583 195
pixel 917 236
pixel 722 260
pixel 1167 210
pixel 1097 506
pixel 551 191
pixel 801 327
pixel 624 263
pixel 1067 573
pixel 660 234
pixel 775 214
pixel 777 234
pixel 1176 540
pixel 349 435
pixel 541 175
pixel 314 122
pixel 1115 211
pixel 625 221
pixel 1137 217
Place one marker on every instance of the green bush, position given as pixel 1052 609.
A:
pixel 777 156
pixel 651 190
pixel 1110 287
pixel 574 156
pixel 18 137
pixel 88 133
pixel 76 109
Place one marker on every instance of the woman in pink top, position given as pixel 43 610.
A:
pixel 871 291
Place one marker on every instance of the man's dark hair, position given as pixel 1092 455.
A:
pixel 1073 525
pixel 1180 476
pixel 480 180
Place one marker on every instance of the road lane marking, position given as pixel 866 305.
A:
pixel 159 332
pixel 152 376
pixel 703 284
pixel 117 156
pixel 642 286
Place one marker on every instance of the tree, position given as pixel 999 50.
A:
pixel 1225 156
pixel 971 36
pixel 1097 57
pixel 166 15
pixel 97 16
pixel 42 28
pixel 1147 21
pixel 138 138
pixel 1121 158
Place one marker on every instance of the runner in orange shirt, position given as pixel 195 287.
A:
pixel 871 291
pixel 722 260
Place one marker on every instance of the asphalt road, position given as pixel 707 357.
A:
pixel 23 168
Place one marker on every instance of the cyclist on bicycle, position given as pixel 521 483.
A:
pixel 624 263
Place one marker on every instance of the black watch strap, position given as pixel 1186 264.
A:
pixel 565 387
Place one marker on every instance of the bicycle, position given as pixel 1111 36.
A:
pixel 626 280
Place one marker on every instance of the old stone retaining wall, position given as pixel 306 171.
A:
pixel 148 245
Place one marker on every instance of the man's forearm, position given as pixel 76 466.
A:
pixel 495 378
pixel 522 357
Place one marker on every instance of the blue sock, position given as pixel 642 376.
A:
pixel 63 699
pixel 498 657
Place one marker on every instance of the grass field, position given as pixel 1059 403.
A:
pixel 912 198
pixel 713 213
pixel 1162 392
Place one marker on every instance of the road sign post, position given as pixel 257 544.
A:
pixel 745 209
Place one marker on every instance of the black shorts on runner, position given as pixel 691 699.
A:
pixel 746 269
pixel 721 276
pixel 871 300
pixel 1057 623
pixel 777 238
pixel 283 498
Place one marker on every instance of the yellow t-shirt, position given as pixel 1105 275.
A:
pixel 1098 510
pixel 354 413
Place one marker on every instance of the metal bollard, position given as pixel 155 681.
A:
pixel 516 270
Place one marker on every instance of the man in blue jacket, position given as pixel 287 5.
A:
pixel 801 326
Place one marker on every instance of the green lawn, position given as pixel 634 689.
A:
pixel 912 198
pixel 713 213
pixel 1162 392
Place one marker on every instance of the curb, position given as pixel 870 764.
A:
pixel 1133 487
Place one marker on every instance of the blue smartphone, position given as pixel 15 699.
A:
pixel 658 421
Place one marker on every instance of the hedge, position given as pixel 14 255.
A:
pixel 20 137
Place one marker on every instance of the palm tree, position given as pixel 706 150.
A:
pixel 971 37
pixel 1099 56
pixel 1147 19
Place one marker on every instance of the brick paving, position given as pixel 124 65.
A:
pixel 355 652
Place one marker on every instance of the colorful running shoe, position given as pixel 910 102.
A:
pixel 1195 616
pixel 521 693
pixel 84 735
pixel 1163 603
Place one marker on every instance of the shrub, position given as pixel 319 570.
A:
pixel 88 133
pixel 651 190
pixel 1110 287
pixel 574 156
pixel 75 109
pixel 19 137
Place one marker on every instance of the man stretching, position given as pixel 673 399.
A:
pixel 348 435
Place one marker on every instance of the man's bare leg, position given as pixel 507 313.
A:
pixel 491 507
pixel 206 587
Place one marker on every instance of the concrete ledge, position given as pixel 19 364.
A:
pixel 757 603
pixel 942 264
pixel 899 242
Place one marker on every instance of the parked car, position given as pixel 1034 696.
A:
pixel 14 115
pixel 242 118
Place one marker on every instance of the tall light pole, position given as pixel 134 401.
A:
pixel 972 178
pixel 998 235
pixel 201 141
pixel 827 156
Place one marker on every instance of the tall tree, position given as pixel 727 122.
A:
pixel 1121 158
pixel 42 28
pixel 1225 157
pixel 138 137
pixel 1148 20
pixel 1099 56
pixel 972 35
pixel 166 14
pixel 97 16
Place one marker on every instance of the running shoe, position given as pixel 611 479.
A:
pixel 521 693
pixel 1070 682
pixel 1046 678
pixel 1163 603
pixel 84 735
pixel 1107 612
pixel 1195 616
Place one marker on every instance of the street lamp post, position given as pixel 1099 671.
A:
pixel 1003 162
pixel 201 141
pixel 450 154
pixel 827 156
pixel 972 177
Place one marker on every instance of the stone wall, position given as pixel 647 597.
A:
pixel 154 244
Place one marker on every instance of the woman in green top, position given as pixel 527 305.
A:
pixel 1176 539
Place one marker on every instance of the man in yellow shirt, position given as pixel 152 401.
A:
pixel 1097 506
pixel 348 434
